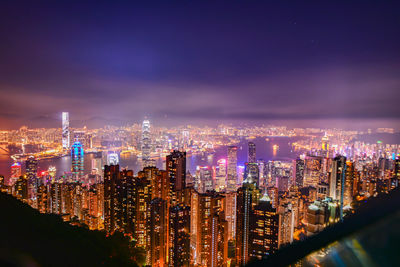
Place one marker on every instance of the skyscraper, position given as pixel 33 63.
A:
pixel 252 153
pixel 15 172
pixel 146 143
pixel 212 230
pixel 232 172
pixel 158 224
pixel 77 156
pixel 31 168
pixel 65 131
pixel 263 236
pixel 247 197
pixel 179 236
pixel 251 169
pixel 299 172
pixel 176 168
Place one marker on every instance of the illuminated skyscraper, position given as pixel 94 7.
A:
pixel 179 236
pixel 158 225
pixel 337 181
pixel 252 153
pixel 212 230
pixel 31 168
pixel 263 236
pixel 15 172
pixel 112 158
pixel 176 168
pixel 247 197
pixel 232 172
pixel 299 172
pixel 251 169
pixel 77 156
pixel 146 143
pixel 65 131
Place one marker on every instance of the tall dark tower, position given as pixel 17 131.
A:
pixel 176 168
pixel 179 235
pixel 252 153
pixel 247 197
pixel 111 202
pixel 264 229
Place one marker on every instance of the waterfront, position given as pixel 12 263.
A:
pixel 265 151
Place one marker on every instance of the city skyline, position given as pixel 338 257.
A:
pixel 302 64
pixel 193 134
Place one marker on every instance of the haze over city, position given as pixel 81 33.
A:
pixel 182 63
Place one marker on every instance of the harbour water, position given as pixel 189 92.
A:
pixel 265 150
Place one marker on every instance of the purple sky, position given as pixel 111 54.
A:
pixel 178 63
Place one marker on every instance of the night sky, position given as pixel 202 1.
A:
pixel 183 62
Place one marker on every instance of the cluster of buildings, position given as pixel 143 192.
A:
pixel 221 215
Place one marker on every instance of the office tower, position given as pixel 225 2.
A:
pixel 220 175
pixel 232 172
pixel 15 172
pixel 179 236
pixel 77 156
pixel 264 225
pixel 158 224
pixel 252 153
pixel 325 145
pixel 299 172
pixel 146 143
pixel 65 131
pixel 185 139
pixel 31 168
pixel 176 168
pixel 112 158
pixel 247 197
pixel 252 170
pixel 262 170
pixel 337 181
pixel 212 241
